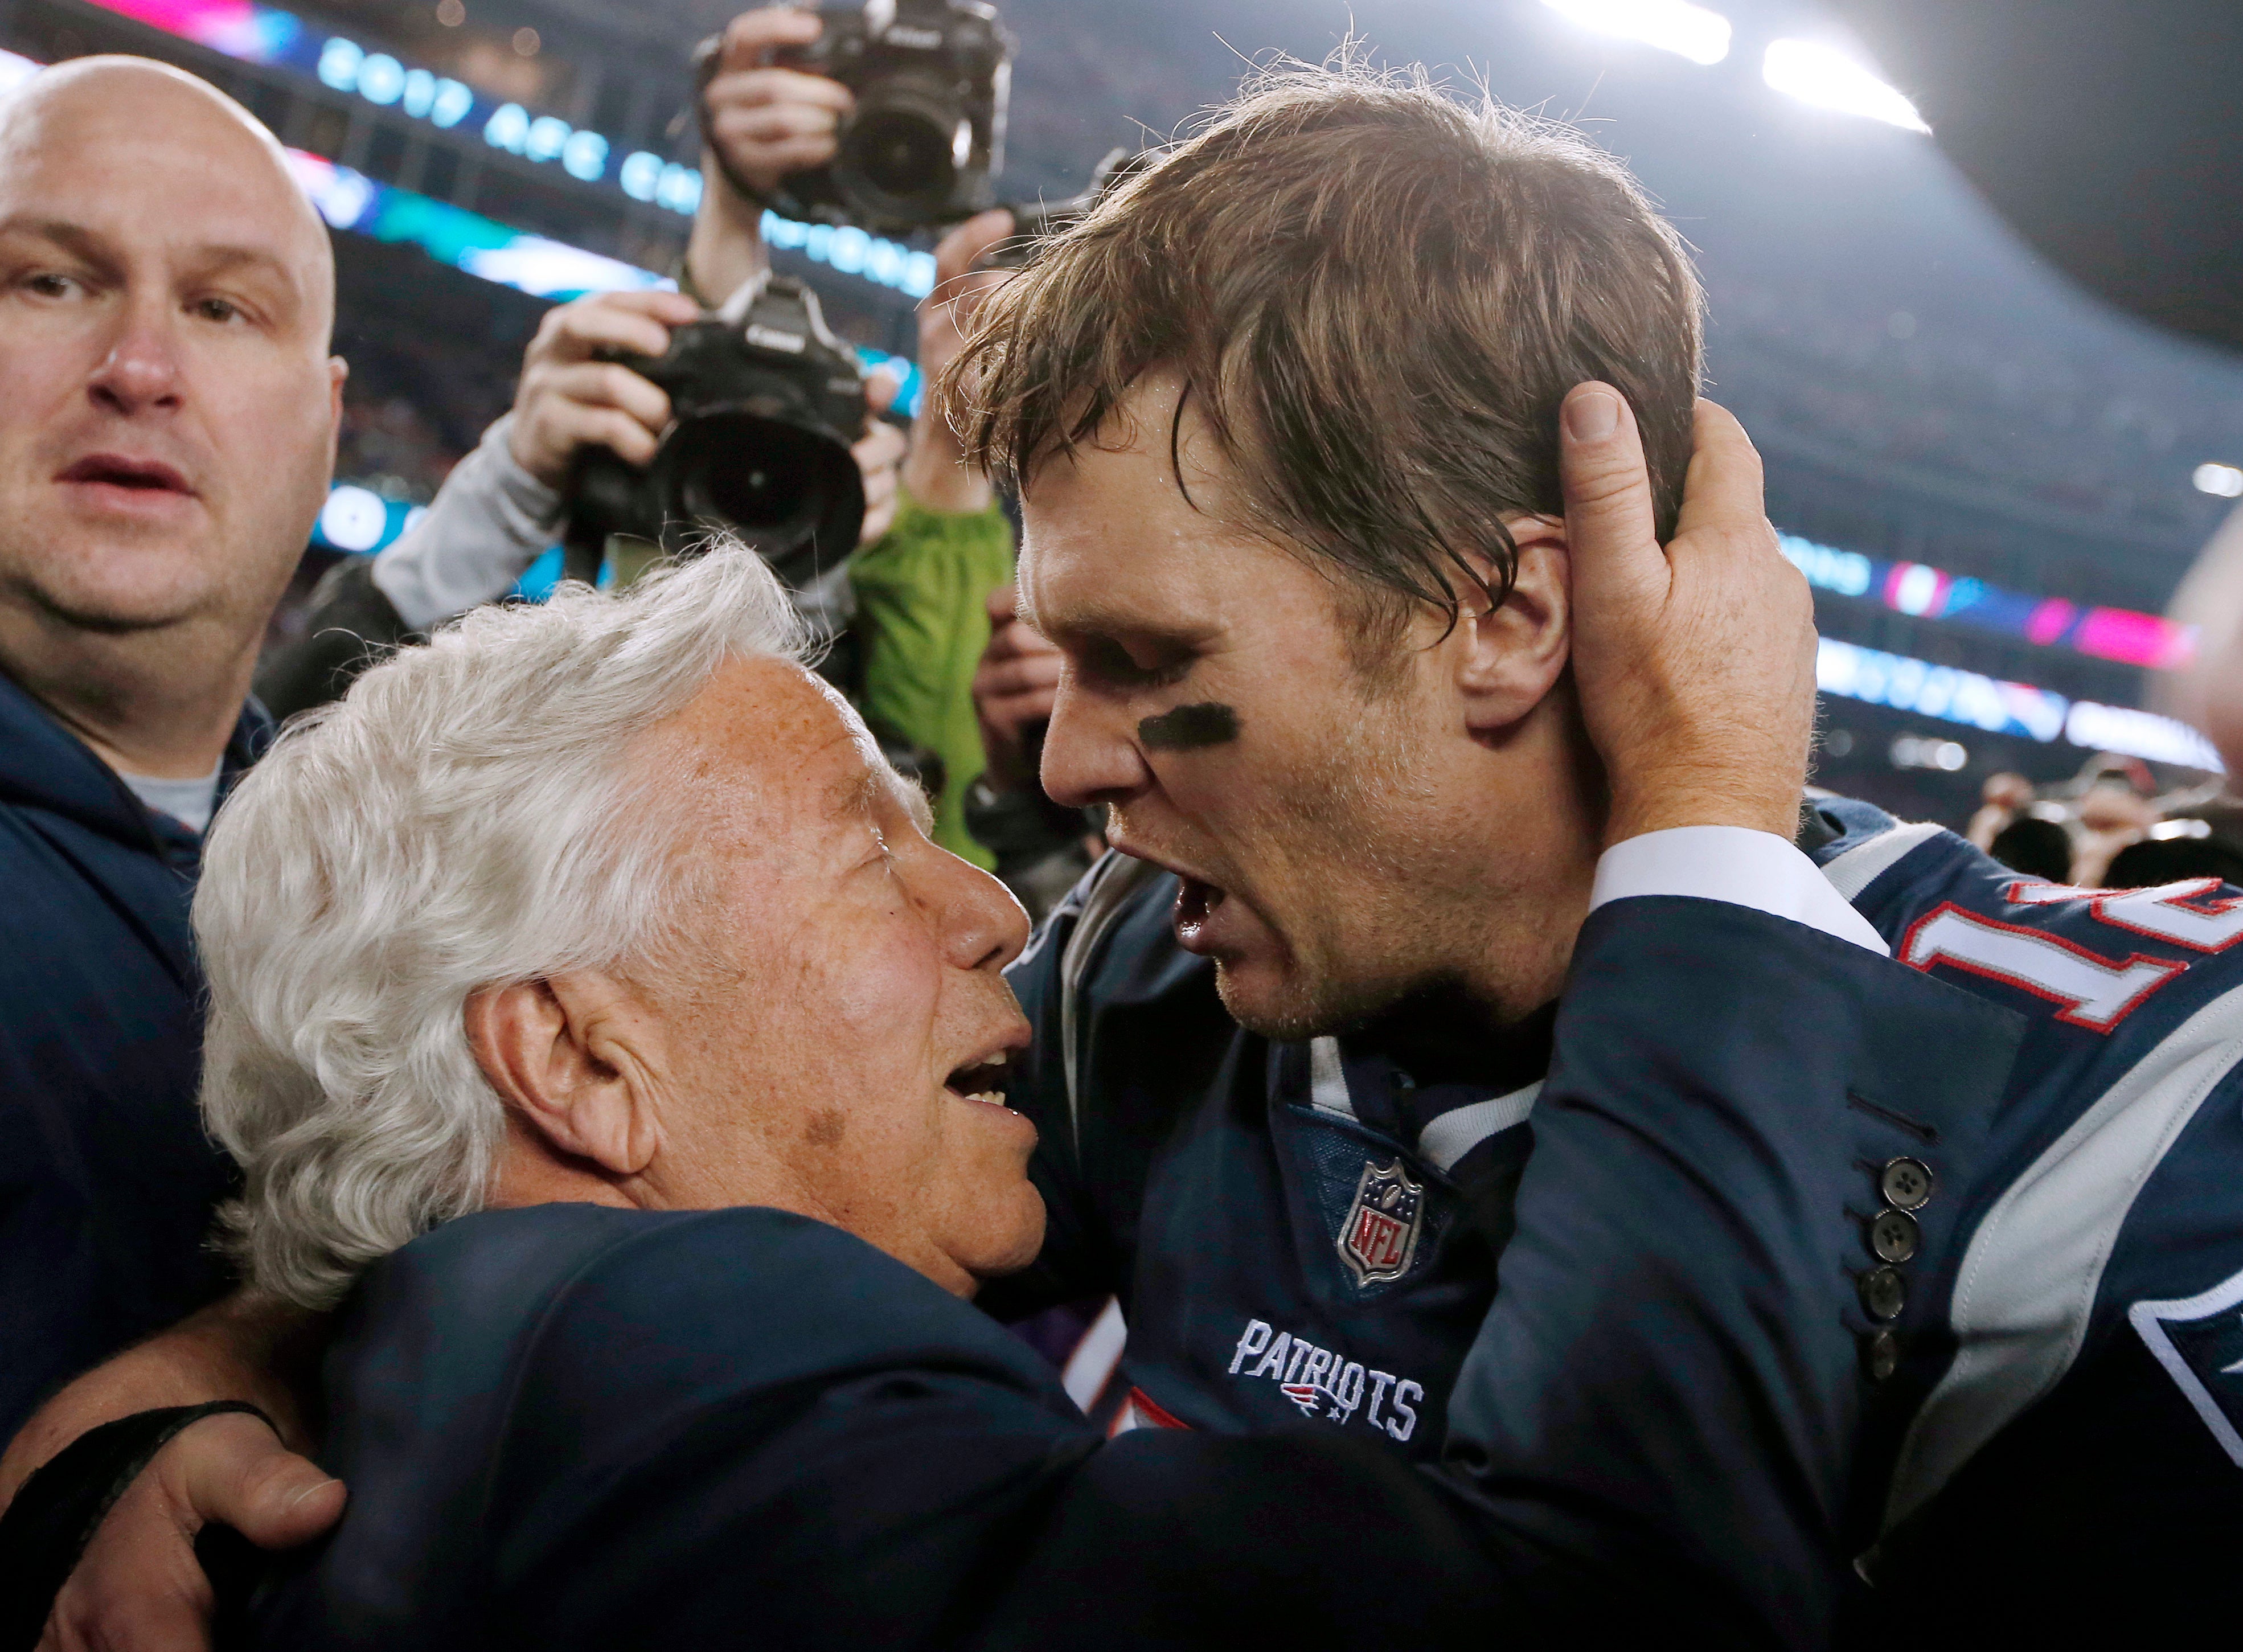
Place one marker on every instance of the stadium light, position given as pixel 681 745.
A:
pixel 1827 77
pixel 2222 482
pixel 1671 25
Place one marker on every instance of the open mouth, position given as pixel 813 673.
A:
pixel 986 1082
pixel 138 475
pixel 1197 901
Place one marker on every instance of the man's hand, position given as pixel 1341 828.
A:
pixel 1013 688
pixel 767 122
pixel 762 124
pixel 138 1584
pixel 936 472
pixel 879 451
pixel 567 401
pixel 1696 663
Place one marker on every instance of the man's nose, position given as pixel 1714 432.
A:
pixel 141 369
pixel 982 924
pixel 1088 754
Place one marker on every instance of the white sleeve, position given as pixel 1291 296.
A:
pixel 1746 868
pixel 489 521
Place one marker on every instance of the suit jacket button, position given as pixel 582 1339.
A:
pixel 1883 1293
pixel 1905 1184
pixel 1880 1355
pixel 1894 1236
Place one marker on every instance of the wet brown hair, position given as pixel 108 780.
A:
pixel 1378 295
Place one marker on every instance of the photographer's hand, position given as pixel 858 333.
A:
pixel 1014 689
pixel 877 453
pixel 1695 662
pixel 567 401
pixel 937 473
pixel 767 122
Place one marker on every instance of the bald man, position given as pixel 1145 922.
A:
pixel 168 412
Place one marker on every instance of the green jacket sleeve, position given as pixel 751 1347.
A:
pixel 921 593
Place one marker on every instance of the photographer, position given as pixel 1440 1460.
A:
pixel 923 590
pixel 931 548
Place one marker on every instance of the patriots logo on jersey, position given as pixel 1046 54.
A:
pixel 2199 1342
pixel 1379 1237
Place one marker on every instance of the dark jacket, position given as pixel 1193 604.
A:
pixel 569 1427
pixel 106 1181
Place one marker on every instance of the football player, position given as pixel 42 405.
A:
pixel 1300 529
pixel 1327 706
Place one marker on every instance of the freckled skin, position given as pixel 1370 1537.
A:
pixel 839 966
pixel 1190 728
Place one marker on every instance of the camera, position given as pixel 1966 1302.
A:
pixel 931 78
pixel 1033 225
pixel 764 403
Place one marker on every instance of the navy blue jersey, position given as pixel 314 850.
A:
pixel 2068 1402
pixel 1286 1224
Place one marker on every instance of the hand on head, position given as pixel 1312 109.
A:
pixel 1695 661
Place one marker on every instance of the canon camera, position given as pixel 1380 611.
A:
pixel 766 403
pixel 930 79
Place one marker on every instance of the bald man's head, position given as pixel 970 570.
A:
pixel 168 408
pixel 116 105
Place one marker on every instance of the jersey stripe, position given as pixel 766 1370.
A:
pixel 1859 867
pixel 1328 1079
pixel 1455 1133
pixel 2028 1285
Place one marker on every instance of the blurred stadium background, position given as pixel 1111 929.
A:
pixel 1994 483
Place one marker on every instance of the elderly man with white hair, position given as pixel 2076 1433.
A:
pixel 595 1024
pixel 608 903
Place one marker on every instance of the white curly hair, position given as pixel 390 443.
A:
pixel 464 818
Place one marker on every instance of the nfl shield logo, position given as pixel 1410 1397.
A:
pixel 1379 1237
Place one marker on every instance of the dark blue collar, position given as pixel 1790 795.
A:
pixel 43 765
pixel 1436 1051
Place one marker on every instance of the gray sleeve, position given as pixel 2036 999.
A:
pixel 489 521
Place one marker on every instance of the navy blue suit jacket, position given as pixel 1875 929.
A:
pixel 574 1426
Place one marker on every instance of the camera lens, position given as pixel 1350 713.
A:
pixel 789 492
pixel 900 153
pixel 765 489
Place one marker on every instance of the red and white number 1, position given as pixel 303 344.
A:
pixel 2094 992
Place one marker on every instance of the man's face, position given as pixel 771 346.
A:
pixel 837 1017
pixel 167 407
pixel 1322 823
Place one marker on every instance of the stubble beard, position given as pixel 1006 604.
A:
pixel 1373 922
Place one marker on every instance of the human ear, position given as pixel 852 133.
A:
pixel 1509 656
pixel 573 1056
